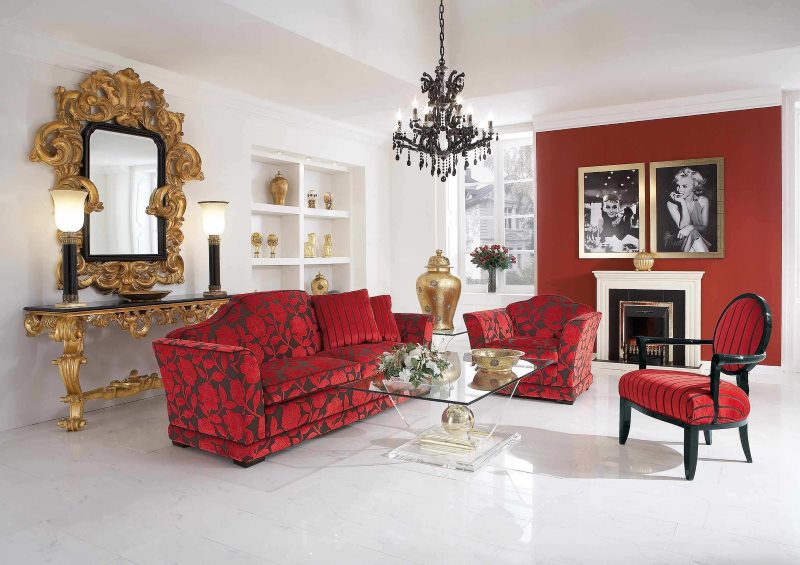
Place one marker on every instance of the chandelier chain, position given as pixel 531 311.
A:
pixel 441 32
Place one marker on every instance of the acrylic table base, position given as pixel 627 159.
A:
pixel 435 446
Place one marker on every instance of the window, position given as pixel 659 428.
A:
pixel 497 206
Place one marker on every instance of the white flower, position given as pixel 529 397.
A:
pixel 405 374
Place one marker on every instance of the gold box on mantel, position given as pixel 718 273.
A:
pixel 438 291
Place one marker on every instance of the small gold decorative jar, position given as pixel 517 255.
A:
pixel 278 187
pixel 311 196
pixel 319 285
pixel 643 261
pixel 328 198
pixel 272 243
pixel 438 291
pixel 256 241
pixel 327 245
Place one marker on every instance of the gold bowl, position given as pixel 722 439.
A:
pixel 143 295
pixel 492 359
pixel 491 380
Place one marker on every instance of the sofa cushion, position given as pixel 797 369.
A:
pixel 544 315
pixel 346 319
pixel 290 377
pixel 536 348
pixel 683 396
pixel 387 325
pixel 367 354
pixel 283 417
pixel 270 324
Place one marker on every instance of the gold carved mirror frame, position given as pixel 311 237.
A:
pixel 123 99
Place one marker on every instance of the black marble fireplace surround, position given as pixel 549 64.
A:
pixel 676 297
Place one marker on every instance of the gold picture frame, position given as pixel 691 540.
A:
pixel 605 185
pixel 666 206
pixel 123 99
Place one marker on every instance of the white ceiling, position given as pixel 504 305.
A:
pixel 358 60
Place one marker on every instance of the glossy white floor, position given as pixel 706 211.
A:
pixel 119 492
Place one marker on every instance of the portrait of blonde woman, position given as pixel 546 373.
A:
pixel 684 210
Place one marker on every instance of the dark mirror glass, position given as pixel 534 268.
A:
pixel 126 165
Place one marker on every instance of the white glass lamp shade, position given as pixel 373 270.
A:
pixel 213 216
pixel 69 209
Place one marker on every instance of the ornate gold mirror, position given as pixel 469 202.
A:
pixel 115 137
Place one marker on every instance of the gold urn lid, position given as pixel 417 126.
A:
pixel 278 176
pixel 320 277
pixel 439 263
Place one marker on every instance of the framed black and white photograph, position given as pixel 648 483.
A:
pixel 611 219
pixel 687 208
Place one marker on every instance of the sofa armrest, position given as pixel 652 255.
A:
pixel 415 328
pixel 211 388
pixel 487 326
pixel 576 346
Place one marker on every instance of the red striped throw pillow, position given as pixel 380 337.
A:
pixel 387 325
pixel 345 319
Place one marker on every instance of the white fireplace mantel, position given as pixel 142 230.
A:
pixel 686 281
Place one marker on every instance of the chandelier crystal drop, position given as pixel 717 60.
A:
pixel 445 132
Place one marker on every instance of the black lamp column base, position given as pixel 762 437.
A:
pixel 214 287
pixel 69 270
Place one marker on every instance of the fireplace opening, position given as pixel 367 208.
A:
pixel 647 319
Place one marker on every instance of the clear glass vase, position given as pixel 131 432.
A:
pixel 492 279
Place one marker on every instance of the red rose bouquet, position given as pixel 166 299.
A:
pixel 490 258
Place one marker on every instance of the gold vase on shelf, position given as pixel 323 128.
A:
pixel 310 246
pixel 438 291
pixel 311 196
pixel 272 243
pixel 278 187
pixel 327 245
pixel 319 285
pixel 256 240
pixel 328 198
pixel 643 261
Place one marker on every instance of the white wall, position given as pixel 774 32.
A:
pixel 223 129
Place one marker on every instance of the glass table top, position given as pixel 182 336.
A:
pixel 465 385
pixel 457 330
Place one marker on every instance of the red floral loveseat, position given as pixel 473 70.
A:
pixel 257 377
pixel 544 327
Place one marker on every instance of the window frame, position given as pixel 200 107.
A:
pixel 498 149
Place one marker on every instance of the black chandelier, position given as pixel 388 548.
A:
pixel 445 132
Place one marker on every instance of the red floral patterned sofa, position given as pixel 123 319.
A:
pixel 544 327
pixel 256 377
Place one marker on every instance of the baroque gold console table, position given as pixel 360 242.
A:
pixel 68 325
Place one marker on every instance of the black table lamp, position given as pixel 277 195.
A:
pixel 214 225
pixel 69 215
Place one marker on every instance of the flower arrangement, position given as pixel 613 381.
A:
pixel 413 363
pixel 492 257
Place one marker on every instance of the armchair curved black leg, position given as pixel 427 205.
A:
pixel 745 443
pixel 707 436
pixel 691 438
pixel 624 420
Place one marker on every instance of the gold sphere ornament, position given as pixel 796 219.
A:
pixel 438 291
pixel 278 187
pixel 458 420
pixel 272 243
pixel 643 261
pixel 256 241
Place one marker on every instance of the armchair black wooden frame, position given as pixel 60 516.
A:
pixel 719 362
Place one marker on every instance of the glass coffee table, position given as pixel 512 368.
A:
pixel 458 442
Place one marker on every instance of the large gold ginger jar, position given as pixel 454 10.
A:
pixel 438 292
pixel 278 187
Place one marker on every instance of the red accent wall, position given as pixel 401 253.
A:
pixel 750 142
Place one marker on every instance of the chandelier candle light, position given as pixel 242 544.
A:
pixel 214 225
pixel 444 132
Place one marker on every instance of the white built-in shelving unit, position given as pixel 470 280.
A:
pixel 293 221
